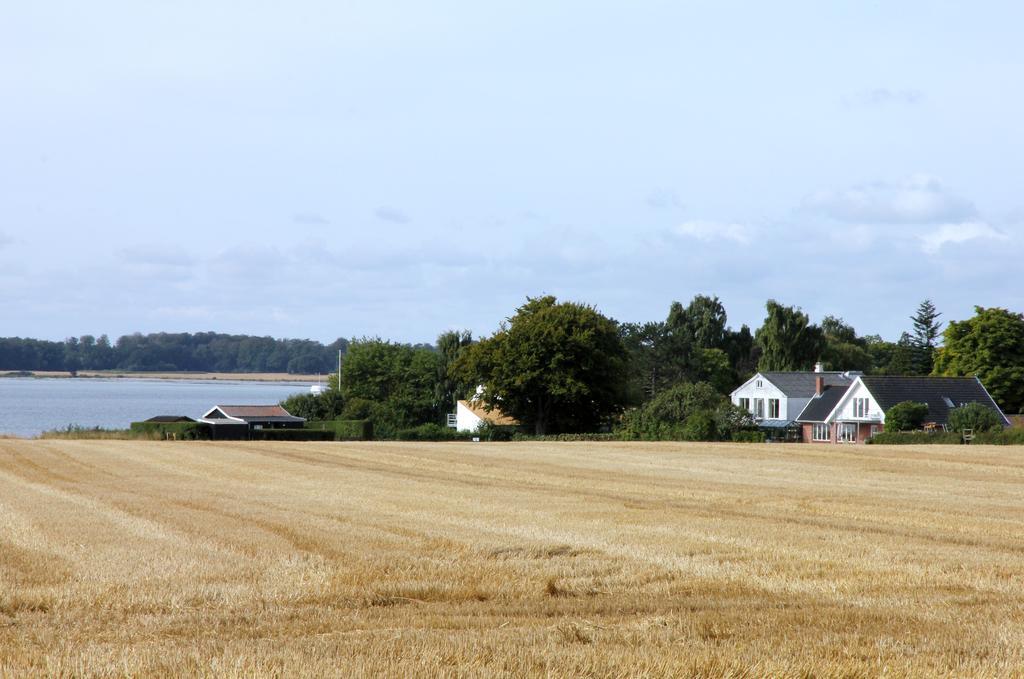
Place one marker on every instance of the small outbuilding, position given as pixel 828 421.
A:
pixel 236 422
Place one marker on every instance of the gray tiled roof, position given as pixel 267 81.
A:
pixel 889 390
pixel 818 408
pixel 801 384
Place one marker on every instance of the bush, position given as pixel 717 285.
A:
pixel 291 435
pixel 1005 437
pixel 974 416
pixel 748 436
pixel 906 416
pixel 433 432
pixel 700 426
pixel 488 431
pixel 896 438
pixel 326 406
pixel 345 430
pixel 184 431
pixel 567 437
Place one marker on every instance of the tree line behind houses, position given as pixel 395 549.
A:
pixel 563 367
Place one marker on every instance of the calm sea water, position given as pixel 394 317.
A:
pixel 30 405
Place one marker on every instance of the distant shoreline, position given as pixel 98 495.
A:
pixel 183 375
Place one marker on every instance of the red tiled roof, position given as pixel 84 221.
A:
pixel 254 411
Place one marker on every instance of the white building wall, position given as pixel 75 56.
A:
pixel 844 411
pixel 465 419
pixel 766 391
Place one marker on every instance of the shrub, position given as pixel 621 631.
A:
pixel 906 416
pixel 567 437
pixel 432 432
pixel 895 438
pixel 665 416
pixel 184 431
pixel 748 436
pixel 488 431
pixel 345 430
pixel 291 435
pixel 1005 437
pixel 974 416
pixel 700 426
pixel 325 406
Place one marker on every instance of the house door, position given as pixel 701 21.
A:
pixel 847 433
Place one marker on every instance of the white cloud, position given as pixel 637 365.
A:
pixel 932 242
pixel 919 199
pixel 711 231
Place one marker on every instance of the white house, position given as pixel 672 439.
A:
pixel 470 414
pixel 856 413
pixel 776 398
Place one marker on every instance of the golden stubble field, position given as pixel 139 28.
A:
pixel 377 559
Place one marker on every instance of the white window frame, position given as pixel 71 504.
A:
pixel 820 432
pixel 860 408
pixel 745 403
pixel 759 384
pixel 846 432
pixel 759 408
pixel 777 402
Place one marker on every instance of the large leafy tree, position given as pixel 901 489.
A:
pixel 788 340
pixel 844 350
pixel 703 320
pixel 392 384
pixel 991 346
pixel 556 367
pixel 449 386
pixel 925 337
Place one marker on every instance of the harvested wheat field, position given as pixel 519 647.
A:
pixel 564 559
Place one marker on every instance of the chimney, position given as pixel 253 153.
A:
pixel 819 379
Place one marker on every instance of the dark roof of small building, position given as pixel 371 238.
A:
pixel 820 405
pixel 940 393
pixel 170 418
pixel 802 384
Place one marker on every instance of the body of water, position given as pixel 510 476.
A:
pixel 29 406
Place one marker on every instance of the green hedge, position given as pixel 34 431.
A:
pixel 291 435
pixel 748 436
pixel 345 430
pixel 1006 437
pixel 568 437
pixel 184 431
pixel 433 432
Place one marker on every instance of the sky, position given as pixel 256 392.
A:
pixel 396 169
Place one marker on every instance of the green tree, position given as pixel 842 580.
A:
pixel 555 367
pixel 449 386
pixel 704 321
pixel 906 416
pixel 925 337
pixel 666 416
pixel 989 345
pixel 974 416
pixel 788 340
pixel 843 349
pixel 326 406
pixel 392 384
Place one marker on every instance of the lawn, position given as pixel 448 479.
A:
pixel 459 559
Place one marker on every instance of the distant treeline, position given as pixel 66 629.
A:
pixel 204 351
